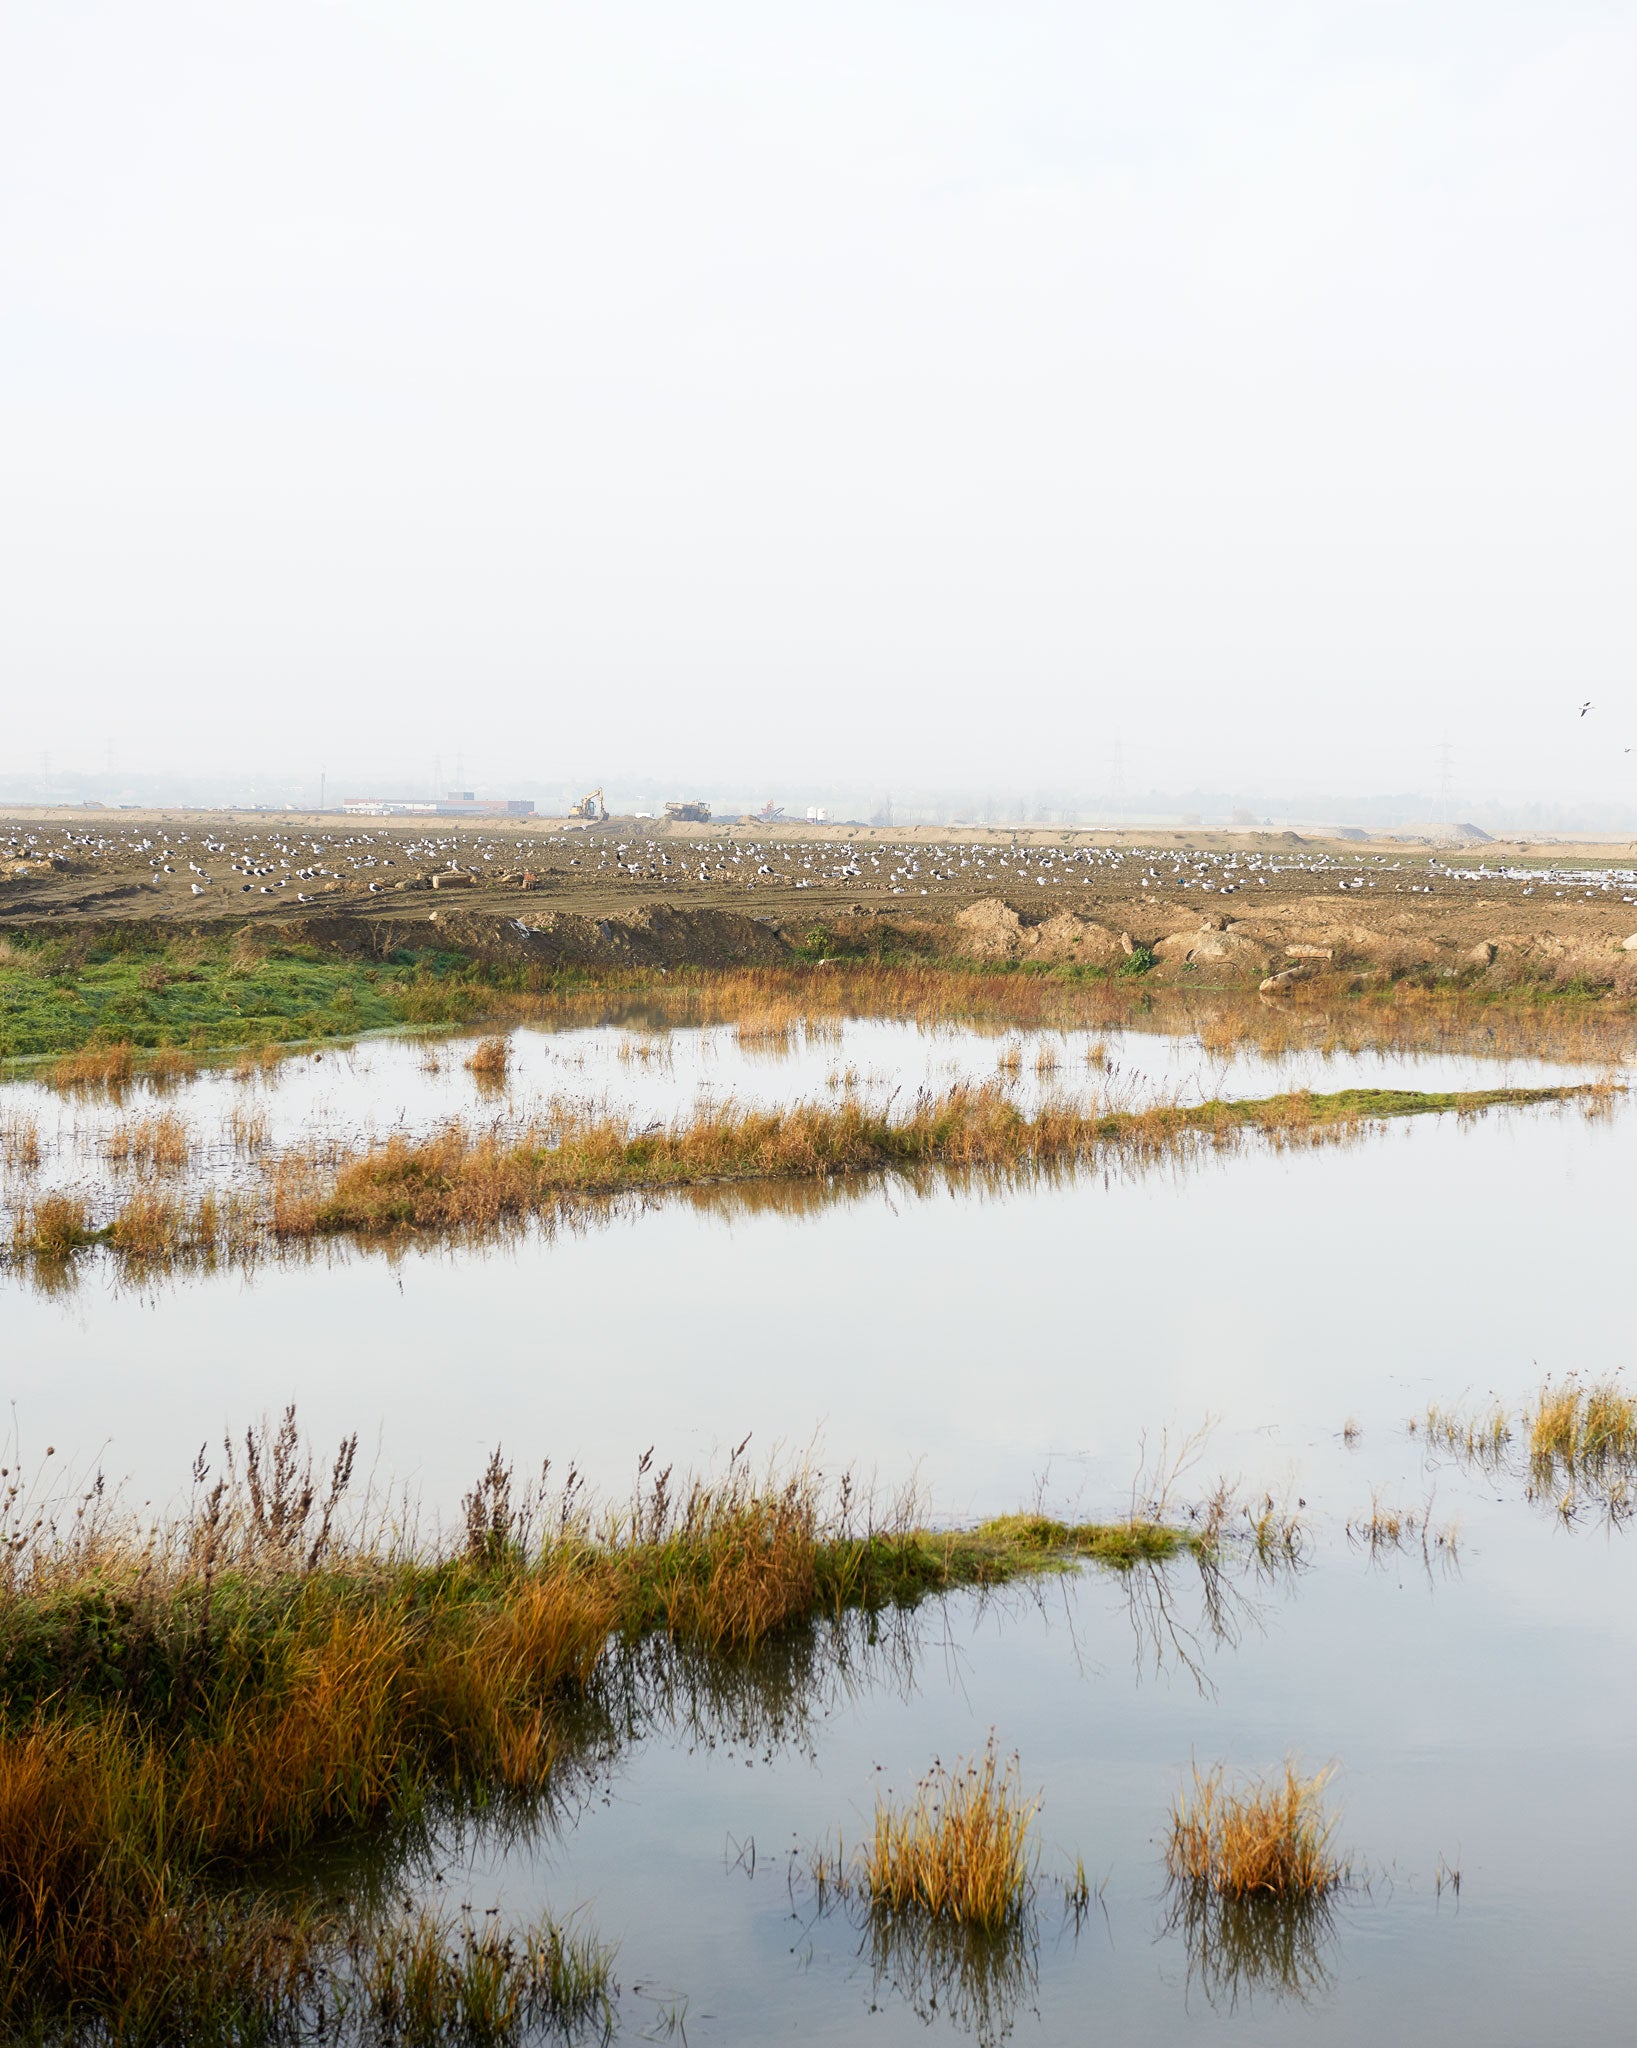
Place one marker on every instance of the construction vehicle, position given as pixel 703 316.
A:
pixel 769 814
pixel 591 808
pixel 689 813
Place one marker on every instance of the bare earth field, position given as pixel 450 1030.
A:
pixel 1210 906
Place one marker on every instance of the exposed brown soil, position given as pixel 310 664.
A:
pixel 1211 907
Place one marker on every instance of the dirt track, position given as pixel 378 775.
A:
pixel 1232 905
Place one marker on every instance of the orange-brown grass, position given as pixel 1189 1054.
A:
pixel 288 1670
pixel 1404 1017
pixel 479 1181
pixel 1582 1427
pixel 958 1849
pixel 159 1226
pixel 160 1143
pixel 462 1180
pixel 247 1127
pixel 1480 1437
pixel 168 1064
pixel 1385 1527
pixel 20 1142
pixel 490 1059
pixel 50 1228
pixel 95 1066
pixel 1262 1838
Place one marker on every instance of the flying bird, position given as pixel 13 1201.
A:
pixel 1587 706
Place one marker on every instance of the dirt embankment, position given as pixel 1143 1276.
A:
pixel 1297 940
pixel 1219 911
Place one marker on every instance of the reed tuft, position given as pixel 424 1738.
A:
pixel 1263 1838
pixel 959 1849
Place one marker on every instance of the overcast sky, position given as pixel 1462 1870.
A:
pixel 921 392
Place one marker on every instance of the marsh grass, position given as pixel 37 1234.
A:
pixel 490 1059
pixel 20 1149
pixel 1479 1437
pixel 136 992
pixel 1582 1428
pixel 958 1849
pixel 51 1229
pixel 1120 1545
pixel 159 1143
pixel 1259 1838
pixel 428 1976
pixel 187 1703
pixel 1576 1445
pixel 247 1129
pixel 1384 1528
pixel 464 1180
pixel 93 1067
pixel 566 1164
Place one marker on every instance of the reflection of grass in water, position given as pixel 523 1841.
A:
pixel 1283 1948
pixel 160 1143
pixel 19 1142
pixel 427 1976
pixel 975 1979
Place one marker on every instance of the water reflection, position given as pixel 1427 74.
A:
pixel 1240 1949
pixel 977 1982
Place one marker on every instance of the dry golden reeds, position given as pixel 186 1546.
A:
pixel 290 1672
pixel 1582 1427
pixel 95 1066
pixel 51 1228
pixel 458 1179
pixel 959 1849
pixel 1260 1839
pixel 490 1059
pixel 167 1065
pixel 20 1142
pixel 159 1143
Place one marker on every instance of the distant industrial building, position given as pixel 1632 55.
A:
pixel 459 803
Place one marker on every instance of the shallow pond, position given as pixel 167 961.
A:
pixel 1000 1349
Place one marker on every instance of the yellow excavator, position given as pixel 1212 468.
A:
pixel 591 808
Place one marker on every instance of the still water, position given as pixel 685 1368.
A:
pixel 1001 1349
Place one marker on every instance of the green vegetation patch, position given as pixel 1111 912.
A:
pixel 63 995
pixel 1119 1545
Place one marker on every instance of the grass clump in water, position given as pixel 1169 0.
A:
pixel 1582 1428
pixel 463 1180
pixel 490 1059
pixel 1260 1839
pixel 958 1849
pixel 183 1708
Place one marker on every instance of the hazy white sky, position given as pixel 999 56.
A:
pixel 917 392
